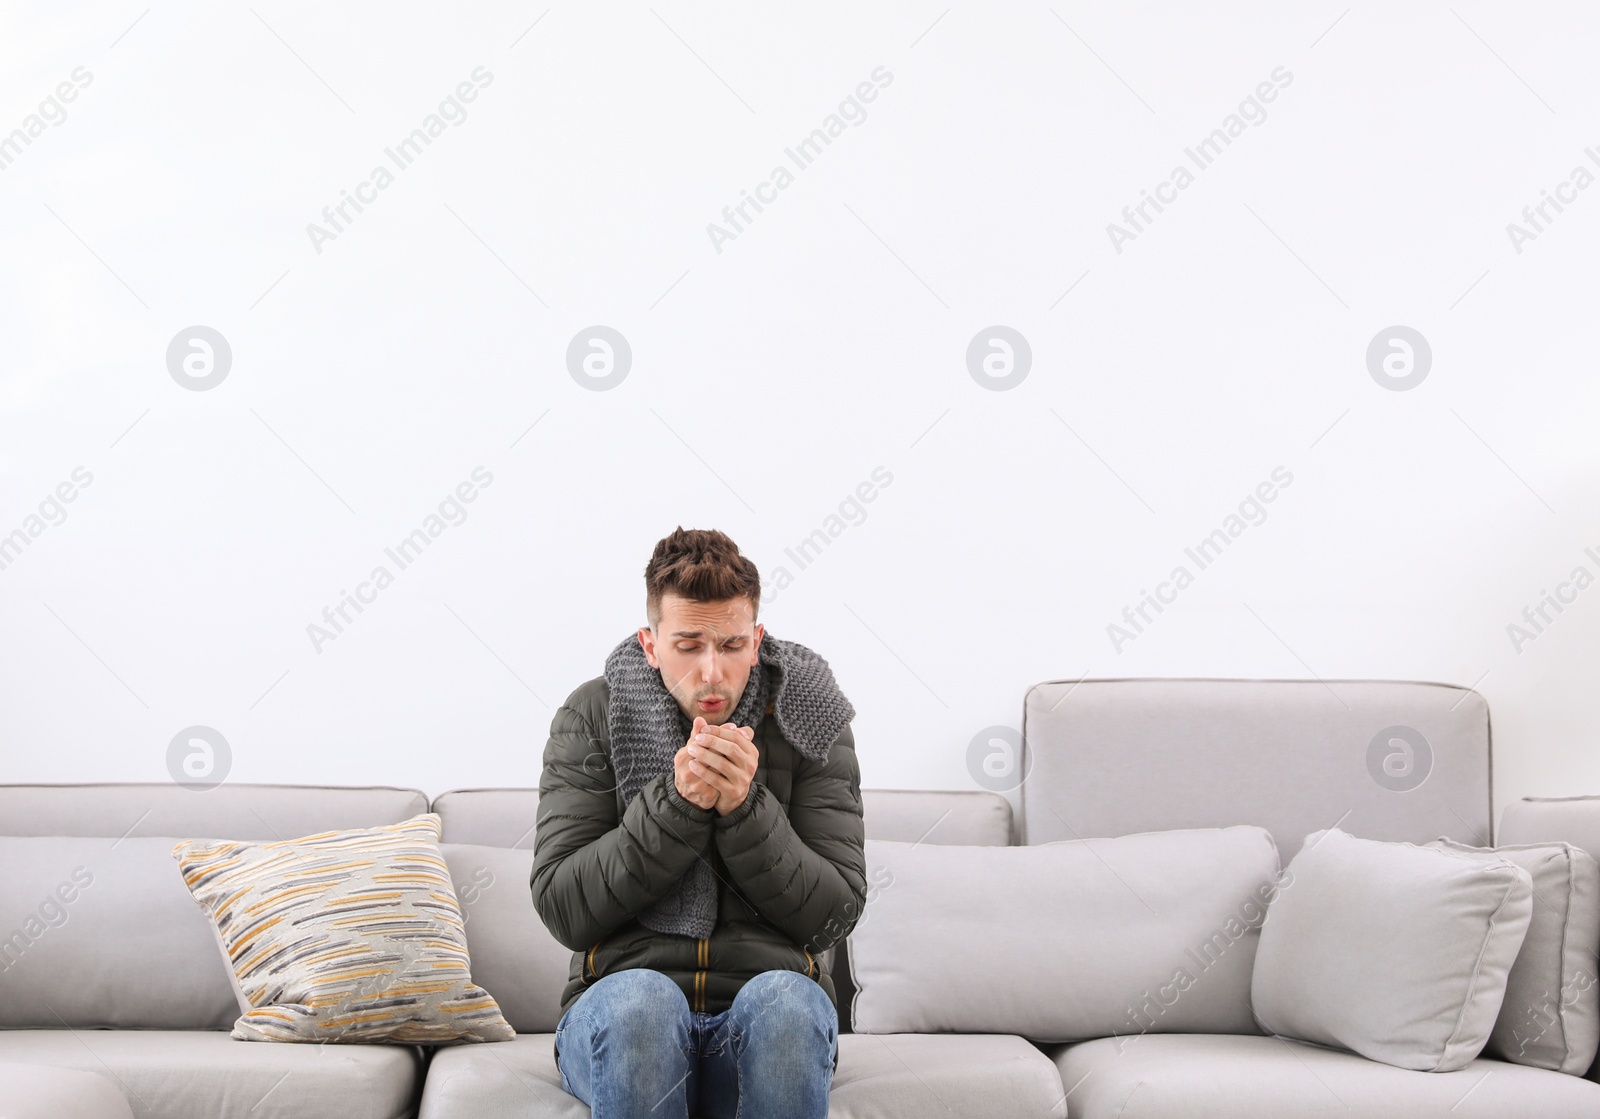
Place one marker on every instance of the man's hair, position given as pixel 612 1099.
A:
pixel 701 564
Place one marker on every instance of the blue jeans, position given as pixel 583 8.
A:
pixel 631 1048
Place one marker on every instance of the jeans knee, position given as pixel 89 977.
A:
pixel 785 1006
pixel 626 1050
pixel 639 1001
pixel 641 990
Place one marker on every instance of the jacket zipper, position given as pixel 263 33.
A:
pixel 589 959
pixel 703 944
pixel 703 959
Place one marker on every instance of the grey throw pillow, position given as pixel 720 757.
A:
pixel 1551 1014
pixel 1391 950
pixel 1154 932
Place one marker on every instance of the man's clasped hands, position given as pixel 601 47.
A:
pixel 715 767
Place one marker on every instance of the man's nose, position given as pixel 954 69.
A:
pixel 711 668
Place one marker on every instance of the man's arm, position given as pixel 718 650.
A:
pixel 591 873
pixel 804 870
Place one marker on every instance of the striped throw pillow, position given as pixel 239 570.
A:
pixel 347 936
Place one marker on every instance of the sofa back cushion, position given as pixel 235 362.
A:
pixel 98 932
pixel 514 957
pixel 96 927
pixel 488 817
pixel 1395 951
pixel 1387 759
pixel 972 818
pixel 1066 940
pixel 1551 1014
pixel 1574 820
pixel 965 818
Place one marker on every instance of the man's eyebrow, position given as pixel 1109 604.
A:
pixel 691 633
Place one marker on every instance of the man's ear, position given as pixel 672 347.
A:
pixel 755 649
pixel 647 641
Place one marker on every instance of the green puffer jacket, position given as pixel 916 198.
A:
pixel 790 861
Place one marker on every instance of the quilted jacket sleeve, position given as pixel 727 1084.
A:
pixel 592 873
pixel 804 870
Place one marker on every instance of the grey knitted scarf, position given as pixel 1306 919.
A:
pixel 648 728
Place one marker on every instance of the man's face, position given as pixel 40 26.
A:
pixel 705 651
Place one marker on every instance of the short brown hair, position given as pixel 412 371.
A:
pixel 701 564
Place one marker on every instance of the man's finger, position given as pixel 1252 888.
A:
pixel 737 733
pixel 693 786
pixel 730 751
pixel 710 776
pixel 725 755
pixel 718 733
pixel 711 762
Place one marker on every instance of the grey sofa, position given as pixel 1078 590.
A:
pixel 115 1002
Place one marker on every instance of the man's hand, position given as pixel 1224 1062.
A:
pixel 690 786
pixel 715 768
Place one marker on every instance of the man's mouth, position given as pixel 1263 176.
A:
pixel 712 703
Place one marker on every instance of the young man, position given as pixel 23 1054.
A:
pixel 699 846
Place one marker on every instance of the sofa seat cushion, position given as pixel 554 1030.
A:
pixel 516 1077
pixel 886 1076
pixel 975 1076
pixel 205 1074
pixel 43 1092
pixel 1247 1076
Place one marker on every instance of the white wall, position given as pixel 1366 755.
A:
pixel 774 373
